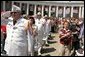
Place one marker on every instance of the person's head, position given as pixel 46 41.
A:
pixel 50 18
pixel 63 19
pixel 65 24
pixel 16 12
pixel 38 15
pixel 72 20
pixel 68 20
pixel 25 16
pixel 76 21
pixel 32 20
pixel 46 17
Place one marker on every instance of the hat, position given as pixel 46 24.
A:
pixel 15 8
pixel 38 13
pixel 45 16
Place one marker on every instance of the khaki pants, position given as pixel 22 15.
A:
pixel 64 50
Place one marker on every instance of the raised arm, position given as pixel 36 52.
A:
pixel 5 17
pixel 28 26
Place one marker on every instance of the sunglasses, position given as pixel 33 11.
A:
pixel 14 12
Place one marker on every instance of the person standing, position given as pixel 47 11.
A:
pixel 31 36
pixel 16 43
pixel 40 24
pixel 81 35
pixel 65 40
pixel 47 28
pixel 2 37
pixel 3 29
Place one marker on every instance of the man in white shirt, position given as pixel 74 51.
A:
pixel 39 23
pixel 16 43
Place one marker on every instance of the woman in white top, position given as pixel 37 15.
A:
pixel 31 36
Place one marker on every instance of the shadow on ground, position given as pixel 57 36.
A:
pixel 47 50
pixel 51 41
pixel 51 37
pixel 48 55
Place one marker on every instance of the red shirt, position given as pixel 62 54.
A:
pixel 62 33
pixel 3 27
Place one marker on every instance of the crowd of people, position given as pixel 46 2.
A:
pixel 69 36
pixel 24 35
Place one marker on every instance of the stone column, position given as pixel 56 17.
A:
pixel 27 9
pixel 20 5
pixel 57 11
pixel 42 10
pixel 49 10
pixel 4 6
pixel 71 11
pixel 35 10
pixel 80 12
pixel 64 12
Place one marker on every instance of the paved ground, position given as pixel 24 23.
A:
pixel 53 48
